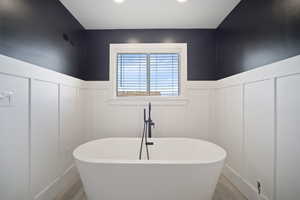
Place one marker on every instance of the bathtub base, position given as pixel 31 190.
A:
pixel 149 182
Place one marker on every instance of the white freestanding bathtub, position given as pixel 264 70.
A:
pixel 178 169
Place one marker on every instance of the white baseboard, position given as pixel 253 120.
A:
pixel 68 179
pixel 50 192
pixel 242 185
pixel 65 186
pixel 79 196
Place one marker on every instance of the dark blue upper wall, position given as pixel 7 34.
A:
pixel 256 33
pixel 32 31
pixel 201 49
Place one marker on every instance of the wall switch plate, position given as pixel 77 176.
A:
pixel 6 98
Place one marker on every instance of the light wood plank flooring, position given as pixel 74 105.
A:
pixel 224 191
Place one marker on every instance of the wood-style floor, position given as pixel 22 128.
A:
pixel 224 191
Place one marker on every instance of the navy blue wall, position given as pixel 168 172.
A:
pixel 201 49
pixel 256 33
pixel 32 31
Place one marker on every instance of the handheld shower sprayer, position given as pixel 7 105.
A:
pixel 147 131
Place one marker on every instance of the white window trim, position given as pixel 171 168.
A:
pixel 180 48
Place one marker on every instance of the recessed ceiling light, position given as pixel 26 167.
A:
pixel 182 1
pixel 119 1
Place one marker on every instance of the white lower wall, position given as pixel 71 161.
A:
pixel 259 135
pixel 229 118
pixel 39 131
pixel 14 142
pixel 257 115
pixel 253 115
pixel 44 137
pixel 288 137
pixel 72 132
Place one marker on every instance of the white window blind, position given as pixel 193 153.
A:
pixel 154 74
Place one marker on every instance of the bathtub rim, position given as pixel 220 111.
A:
pixel 149 162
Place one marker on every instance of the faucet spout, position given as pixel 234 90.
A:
pixel 151 124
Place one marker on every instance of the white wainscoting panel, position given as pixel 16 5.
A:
pixel 39 131
pixel 269 129
pixel 71 128
pixel 288 138
pixel 259 135
pixel 14 142
pixel 45 155
pixel 230 127
pixel 72 133
pixel 218 114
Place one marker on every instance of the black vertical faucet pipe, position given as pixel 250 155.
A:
pixel 149 122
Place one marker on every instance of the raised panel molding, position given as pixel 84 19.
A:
pixel 229 122
pixel 259 118
pixel 232 126
pixel 45 153
pixel 14 142
pixel 288 137
pixel 70 125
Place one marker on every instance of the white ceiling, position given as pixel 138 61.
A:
pixel 140 14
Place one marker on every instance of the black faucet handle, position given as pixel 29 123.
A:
pixel 152 124
pixel 149 143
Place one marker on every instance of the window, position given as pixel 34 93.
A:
pixel 142 72
pixel 148 74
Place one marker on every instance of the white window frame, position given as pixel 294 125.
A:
pixel 179 48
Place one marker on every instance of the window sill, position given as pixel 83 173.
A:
pixel 143 101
